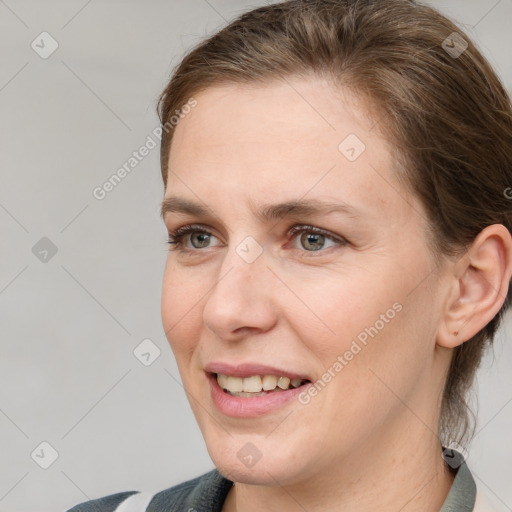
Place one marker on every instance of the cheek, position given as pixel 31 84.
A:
pixel 330 311
pixel 369 318
pixel 386 350
pixel 182 300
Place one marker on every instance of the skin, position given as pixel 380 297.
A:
pixel 368 441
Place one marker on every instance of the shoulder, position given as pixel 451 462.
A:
pixel 105 504
pixel 208 490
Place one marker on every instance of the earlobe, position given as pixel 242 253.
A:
pixel 480 284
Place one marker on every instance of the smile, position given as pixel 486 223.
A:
pixel 257 385
pixel 249 391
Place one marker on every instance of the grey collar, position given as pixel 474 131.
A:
pixel 462 495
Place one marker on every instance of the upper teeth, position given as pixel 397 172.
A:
pixel 255 384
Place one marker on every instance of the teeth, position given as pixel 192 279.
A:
pixel 245 395
pixel 283 382
pixel 235 384
pixel 252 384
pixel 296 382
pixel 269 382
pixel 256 385
pixel 222 380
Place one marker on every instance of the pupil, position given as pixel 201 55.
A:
pixel 312 238
pixel 202 238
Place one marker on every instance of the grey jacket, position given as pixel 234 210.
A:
pixel 207 493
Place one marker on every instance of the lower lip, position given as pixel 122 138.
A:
pixel 250 407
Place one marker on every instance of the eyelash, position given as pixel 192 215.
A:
pixel 176 237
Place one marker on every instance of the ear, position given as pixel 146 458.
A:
pixel 480 285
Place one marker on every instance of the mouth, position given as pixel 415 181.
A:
pixel 257 385
pixel 249 390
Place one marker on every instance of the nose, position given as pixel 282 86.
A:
pixel 242 300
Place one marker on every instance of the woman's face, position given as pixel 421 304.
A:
pixel 348 304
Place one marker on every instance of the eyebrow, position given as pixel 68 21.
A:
pixel 265 213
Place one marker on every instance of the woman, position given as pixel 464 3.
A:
pixel 335 180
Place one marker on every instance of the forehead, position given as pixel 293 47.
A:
pixel 283 140
pixel 293 112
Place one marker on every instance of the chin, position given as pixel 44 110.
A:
pixel 257 460
pixel 263 473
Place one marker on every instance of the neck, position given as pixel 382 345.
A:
pixel 403 470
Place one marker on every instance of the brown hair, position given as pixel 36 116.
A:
pixel 448 116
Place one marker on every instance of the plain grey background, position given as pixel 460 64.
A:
pixel 70 321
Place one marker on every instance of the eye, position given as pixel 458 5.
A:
pixel 314 239
pixel 196 234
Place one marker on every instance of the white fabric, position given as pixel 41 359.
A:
pixel 136 502
pixel 482 502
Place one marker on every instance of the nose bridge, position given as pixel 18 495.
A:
pixel 239 297
pixel 244 263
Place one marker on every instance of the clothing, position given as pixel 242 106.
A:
pixel 207 493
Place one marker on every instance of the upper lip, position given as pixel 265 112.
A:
pixel 250 369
